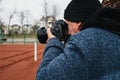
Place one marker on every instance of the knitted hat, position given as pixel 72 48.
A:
pixel 81 10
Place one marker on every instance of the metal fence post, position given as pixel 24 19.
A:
pixel 35 51
pixel 24 37
pixel 12 36
pixel 0 35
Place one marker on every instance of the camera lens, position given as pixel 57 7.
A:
pixel 42 35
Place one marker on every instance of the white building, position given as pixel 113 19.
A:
pixel 27 28
pixel 50 20
pixel 15 28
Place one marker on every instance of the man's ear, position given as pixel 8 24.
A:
pixel 79 25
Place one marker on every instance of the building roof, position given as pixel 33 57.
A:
pixel 43 18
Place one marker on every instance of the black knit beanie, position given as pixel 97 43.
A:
pixel 81 10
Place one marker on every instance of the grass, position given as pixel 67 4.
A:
pixel 23 36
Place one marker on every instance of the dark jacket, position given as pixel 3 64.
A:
pixel 91 54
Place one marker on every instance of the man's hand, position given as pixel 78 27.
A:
pixel 50 35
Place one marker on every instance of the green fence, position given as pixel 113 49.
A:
pixel 14 38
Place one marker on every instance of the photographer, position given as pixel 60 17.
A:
pixel 79 58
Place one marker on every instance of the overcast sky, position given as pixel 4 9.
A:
pixel 31 7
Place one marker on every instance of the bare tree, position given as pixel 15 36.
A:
pixel 22 17
pixel 54 10
pixel 27 15
pixel 48 10
pixel 45 8
pixel 10 18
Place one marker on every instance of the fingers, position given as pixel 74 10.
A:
pixel 49 33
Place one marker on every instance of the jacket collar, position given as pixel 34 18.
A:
pixel 106 18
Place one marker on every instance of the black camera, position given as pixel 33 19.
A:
pixel 59 29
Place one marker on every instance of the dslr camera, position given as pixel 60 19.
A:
pixel 59 29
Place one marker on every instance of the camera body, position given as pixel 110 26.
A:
pixel 59 29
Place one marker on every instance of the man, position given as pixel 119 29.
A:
pixel 93 50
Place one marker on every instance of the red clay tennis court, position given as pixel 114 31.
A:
pixel 17 61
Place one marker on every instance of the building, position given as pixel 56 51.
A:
pixel 46 21
pixel 27 28
pixel 15 28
